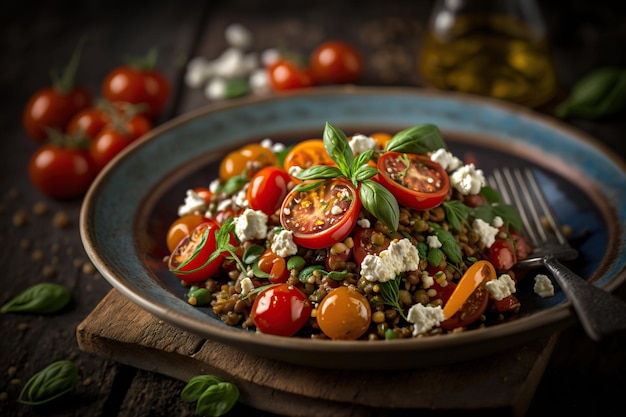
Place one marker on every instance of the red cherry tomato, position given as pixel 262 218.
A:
pixel 148 87
pixel 88 122
pixel 190 259
pixel 275 266
pixel 502 255
pixel 321 216
pixel 182 227
pixel 415 180
pixel 111 140
pixel 267 190
pixel 52 108
pixel 285 75
pixel 509 303
pixel 344 314
pixel 281 310
pixel 336 62
pixel 368 242
pixel 204 193
pixel 61 172
pixel 305 155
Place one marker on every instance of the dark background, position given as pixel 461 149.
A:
pixel 35 36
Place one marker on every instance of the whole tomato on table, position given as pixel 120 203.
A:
pixel 336 62
pixel 138 83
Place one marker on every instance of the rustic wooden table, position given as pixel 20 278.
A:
pixel 581 377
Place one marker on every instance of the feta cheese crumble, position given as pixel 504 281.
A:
pixel 433 242
pixel 447 161
pixel 193 203
pixel 246 286
pixel 364 223
pixel 361 143
pixel 543 286
pixel 467 179
pixel 252 224
pixel 283 244
pixel 486 232
pixel 424 318
pixel 400 256
pixel 501 288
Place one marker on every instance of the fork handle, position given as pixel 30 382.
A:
pixel 600 313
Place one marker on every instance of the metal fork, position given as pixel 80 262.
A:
pixel 600 313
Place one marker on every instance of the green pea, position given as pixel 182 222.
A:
pixel 295 262
pixel 41 298
pixel 198 296
pixel 51 382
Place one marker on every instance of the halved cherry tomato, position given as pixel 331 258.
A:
pixel 190 259
pixel 336 62
pixel 368 242
pixel 281 310
pixel 472 309
pixel 275 266
pixel 267 189
pixel 415 180
pixel 286 75
pixel 138 85
pixel 238 161
pixel 502 254
pixel 182 227
pixel 306 154
pixel 508 303
pixel 474 278
pixel 61 172
pixel 323 215
pixel 113 139
pixel 344 314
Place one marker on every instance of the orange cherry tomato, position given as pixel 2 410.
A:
pixel 305 155
pixel 321 216
pixel 275 266
pixel 240 161
pixel 415 180
pixel 480 272
pixel 182 227
pixel 382 139
pixel 344 314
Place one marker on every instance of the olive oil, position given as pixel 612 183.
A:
pixel 490 54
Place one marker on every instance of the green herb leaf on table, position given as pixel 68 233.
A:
pixel 53 381
pixel 217 399
pixel 196 386
pixel 43 298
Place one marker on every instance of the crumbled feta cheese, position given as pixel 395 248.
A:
pixel 193 203
pixel 486 232
pixel 400 256
pixel 467 179
pixel 246 286
pixel 214 185
pixel 336 210
pixel 364 223
pixel 199 70
pixel 240 199
pixel 231 64
pixel 270 56
pixel 433 242
pixel 501 288
pixel 238 36
pixel 283 245
pixel 497 222
pixel 252 224
pixel 427 280
pixel 447 161
pixel 294 170
pixel 216 89
pixel 361 143
pixel 424 317
pixel 543 286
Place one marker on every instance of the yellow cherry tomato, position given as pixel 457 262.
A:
pixel 237 162
pixel 344 314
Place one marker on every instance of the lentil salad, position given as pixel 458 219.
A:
pixel 366 237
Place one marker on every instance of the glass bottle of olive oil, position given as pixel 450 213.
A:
pixel 496 48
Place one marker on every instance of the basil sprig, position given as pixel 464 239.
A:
pixel 51 382
pixel 43 298
pixel 213 397
pixel 375 198
pixel 419 139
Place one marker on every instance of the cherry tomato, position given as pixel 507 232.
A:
pixel 382 139
pixel 509 303
pixel 204 193
pixel 368 242
pixel 344 314
pixel 321 216
pixel 286 75
pixel 133 85
pixel 336 62
pixel 182 227
pixel 53 108
pixel 88 122
pixel 502 254
pixel 190 259
pixel 111 140
pixel 523 249
pixel 237 162
pixel 415 180
pixel 281 310
pixel 267 189
pixel 469 289
pixel 61 172
pixel 275 266
pixel 472 309
pixel 307 154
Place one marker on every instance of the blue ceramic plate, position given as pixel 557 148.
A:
pixel 129 207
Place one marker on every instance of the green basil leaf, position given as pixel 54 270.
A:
pixel 422 250
pixel 364 172
pixel 252 254
pixel 43 298
pixel 217 400
pixel 307 186
pixel 362 159
pixel 237 88
pixel 435 256
pixel 509 214
pixel 449 245
pixel 338 148
pixel 233 184
pixel 318 172
pixel 306 272
pixel 258 272
pixel 56 379
pixel 457 213
pixel 490 195
pixel 380 202
pixel 197 386
pixel 419 139
pixel 337 275
pixel 295 262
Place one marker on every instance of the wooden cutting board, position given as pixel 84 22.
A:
pixel 502 384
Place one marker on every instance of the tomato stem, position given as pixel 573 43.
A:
pixel 65 82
